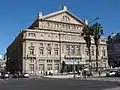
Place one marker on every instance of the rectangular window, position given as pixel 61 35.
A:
pixel 56 66
pixel 49 52
pixel 67 50
pixel 49 49
pixel 41 48
pixel 56 51
pixel 56 61
pixel 41 51
pixel 32 34
pixel 78 50
pixel 32 51
pixel 49 61
pixel 41 60
pixel 41 67
pixel 49 66
pixel 56 46
pixel 31 66
pixel 73 50
pixel 31 60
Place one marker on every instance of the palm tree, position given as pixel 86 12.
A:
pixel 87 33
pixel 98 32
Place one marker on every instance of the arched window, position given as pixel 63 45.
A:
pixel 67 50
pixel 49 49
pixel 103 52
pixel 78 50
pixel 31 49
pixel 56 49
pixel 41 48
pixel 72 50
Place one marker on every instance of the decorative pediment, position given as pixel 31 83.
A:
pixel 60 19
pixel 63 16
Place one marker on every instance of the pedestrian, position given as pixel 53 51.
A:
pixel 84 73
pixel 46 73
pixel 78 72
pixel 99 73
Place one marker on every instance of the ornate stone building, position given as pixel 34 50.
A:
pixel 49 41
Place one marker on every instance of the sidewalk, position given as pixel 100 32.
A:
pixel 70 76
pixel 59 76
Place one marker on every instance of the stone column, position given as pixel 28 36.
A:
pixel 53 67
pixel 45 65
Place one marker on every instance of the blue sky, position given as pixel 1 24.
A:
pixel 19 14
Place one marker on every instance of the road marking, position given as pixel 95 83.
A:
pixel 16 86
pixel 117 88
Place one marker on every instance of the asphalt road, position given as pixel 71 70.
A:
pixel 56 84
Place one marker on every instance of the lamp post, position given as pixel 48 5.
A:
pixel 59 50
pixel 97 18
pixel 74 68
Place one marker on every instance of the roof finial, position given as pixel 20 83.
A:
pixel 39 15
pixel 65 8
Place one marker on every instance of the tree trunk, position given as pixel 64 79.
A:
pixel 89 59
pixel 97 57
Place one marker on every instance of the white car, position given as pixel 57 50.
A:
pixel 5 75
pixel 111 73
pixel 0 74
pixel 26 75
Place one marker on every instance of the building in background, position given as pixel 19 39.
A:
pixel 114 50
pixel 51 40
pixel 2 63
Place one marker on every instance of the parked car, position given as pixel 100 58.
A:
pixel 15 75
pixel 112 73
pixel 25 75
pixel 117 74
pixel 0 74
pixel 4 75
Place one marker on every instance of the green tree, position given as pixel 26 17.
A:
pixel 87 34
pixel 97 33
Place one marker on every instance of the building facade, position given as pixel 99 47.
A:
pixel 49 41
pixel 113 50
pixel 2 63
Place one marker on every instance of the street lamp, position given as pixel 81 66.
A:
pixel 74 67
pixel 97 18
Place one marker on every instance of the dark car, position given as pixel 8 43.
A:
pixel 117 74
pixel 15 75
